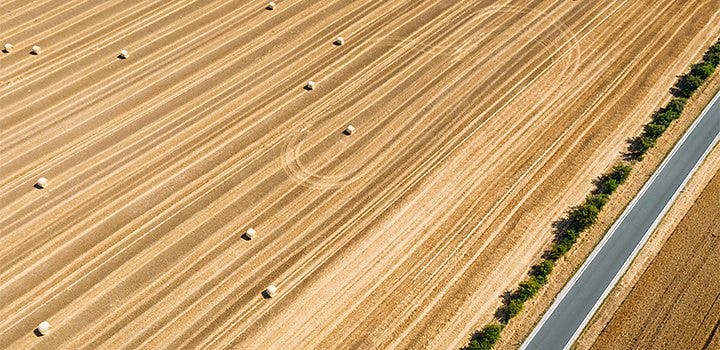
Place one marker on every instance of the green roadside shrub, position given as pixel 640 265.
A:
pixel 559 249
pixel 642 144
pixel 665 117
pixel 513 308
pixel 541 281
pixel 654 131
pixel 542 270
pixel 582 217
pixel 555 253
pixel 689 84
pixel 620 173
pixel 568 238
pixel 486 338
pixel 676 105
pixel 712 56
pixel 702 70
pixel 599 200
pixel 527 289
pixel 608 186
pixel 572 235
pixel 563 244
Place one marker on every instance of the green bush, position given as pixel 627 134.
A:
pixel 485 339
pixel 712 56
pixel 620 173
pixel 702 70
pixel 642 144
pixel 608 186
pixel 689 84
pixel 560 248
pixel 556 252
pixel 542 270
pixel 665 117
pixel 583 216
pixel 513 308
pixel 599 200
pixel 572 235
pixel 562 245
pixel 568 238
pixel 527 289
pixel 654 131
pixel 676 105
pixel 541 281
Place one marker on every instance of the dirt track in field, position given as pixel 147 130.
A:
pixel 477 125
pixel 676 302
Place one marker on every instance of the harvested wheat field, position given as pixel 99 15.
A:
pixel 676 302
pixel 476 124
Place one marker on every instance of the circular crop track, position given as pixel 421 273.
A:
pixel 559 46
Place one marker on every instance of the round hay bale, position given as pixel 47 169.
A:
pixel 250 233
pixel 271 290
pixel 350 129
pixel 8 47
pixel 310 85
pixel 44 328
pixel 340 41
pixel 124 54
pixel 270 6
pixel 42 182
pixel 36 50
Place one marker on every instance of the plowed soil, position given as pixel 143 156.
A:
pixel 477 125
pixel 676 302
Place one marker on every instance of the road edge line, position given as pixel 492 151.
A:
pixel 613 228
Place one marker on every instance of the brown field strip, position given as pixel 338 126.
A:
pixel 676 302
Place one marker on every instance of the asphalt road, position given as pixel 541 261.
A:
pixel 585 292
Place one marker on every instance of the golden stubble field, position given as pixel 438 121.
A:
pixel 477 125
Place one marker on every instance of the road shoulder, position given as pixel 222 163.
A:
pixel 657 240
pixel 517 330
